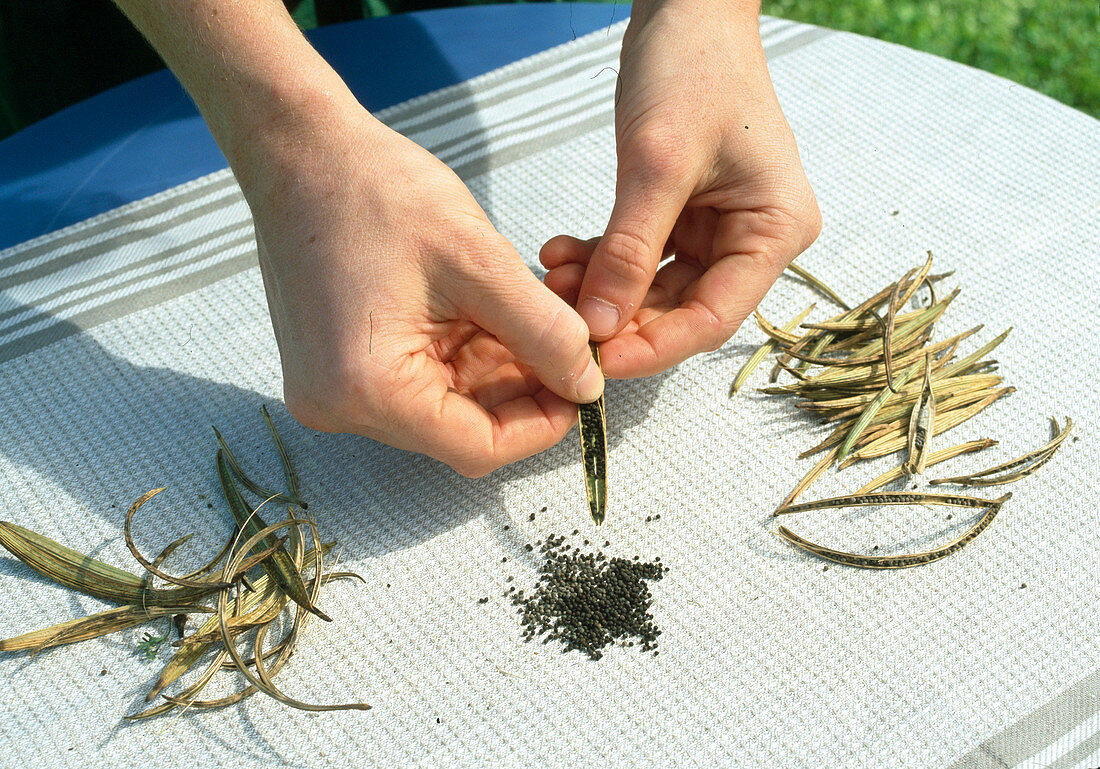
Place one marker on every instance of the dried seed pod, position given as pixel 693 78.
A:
pixel 262 679
pixel 921 424
pixel 808 479
pixel 593 430
pixel 765 349
pixel 869 413
pixel 279 566
pixel 933 459
pixel 92 626
pixel 90 576
pixel 992 507
pixel 1015 469
pixel 289 473
pixel 259 490
pixel 153 566
pixel 816 283
pixel 949 416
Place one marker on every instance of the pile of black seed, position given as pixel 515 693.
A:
pixel 588 601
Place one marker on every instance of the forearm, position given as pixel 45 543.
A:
pixel 262 89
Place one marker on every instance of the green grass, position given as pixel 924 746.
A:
pixel 1052 46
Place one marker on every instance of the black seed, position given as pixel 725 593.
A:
pixel 587 601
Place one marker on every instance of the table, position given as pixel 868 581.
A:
pixel 109 151
pixel 132 317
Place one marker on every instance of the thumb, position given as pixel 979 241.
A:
pixel 626 258
pixel 537 326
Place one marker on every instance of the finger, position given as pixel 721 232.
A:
pixel 708 315
pixel 506 299
pixel 625 259
pixel 477 358
pixel 563 249
pixel 670 282
pixel 506 383
pixel 424 415
pixel 475 441
pixel 565 281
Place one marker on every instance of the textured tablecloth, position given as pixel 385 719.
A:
pixel 123 338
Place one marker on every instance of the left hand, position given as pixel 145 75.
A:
pixel 708 171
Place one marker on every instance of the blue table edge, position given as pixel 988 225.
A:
pixel 145 136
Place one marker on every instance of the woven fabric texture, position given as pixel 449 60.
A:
pixel 124 338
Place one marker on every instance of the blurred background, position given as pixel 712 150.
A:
pixel 54 53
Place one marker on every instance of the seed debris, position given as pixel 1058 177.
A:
pixel 588 601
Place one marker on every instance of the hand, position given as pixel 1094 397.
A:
pixel 401 314
pixel 708 171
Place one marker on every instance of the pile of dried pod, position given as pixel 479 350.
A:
pixel 888 386
pixel 241 609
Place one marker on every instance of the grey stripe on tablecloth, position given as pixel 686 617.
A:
pixel 101 231
pixel 1053 735
pixel 183 239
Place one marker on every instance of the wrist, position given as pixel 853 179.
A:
pixel 263 90
pixel 744 13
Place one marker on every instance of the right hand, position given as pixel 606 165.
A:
pixel 401 314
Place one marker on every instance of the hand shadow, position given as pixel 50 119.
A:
pixel 101 430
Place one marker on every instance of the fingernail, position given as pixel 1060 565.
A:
pixel 590 385
pixel 601 316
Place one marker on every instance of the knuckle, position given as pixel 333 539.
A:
pixel 481 252
pixel 472 460
pixel 627 257
pixel 562 338
pixel 811 222
pixel 658 151
pixel 712 330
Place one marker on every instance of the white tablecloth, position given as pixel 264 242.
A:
pixel 123 338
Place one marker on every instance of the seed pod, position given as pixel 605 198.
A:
pixel 279 566
pixel 992 507
pixel 92 626
pixel 260 491
pixel 817 283
pixel 90 576
pixel 933 459
pixel 1015 469
pixel 921 424
pixel 593 430
pixel 765 349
